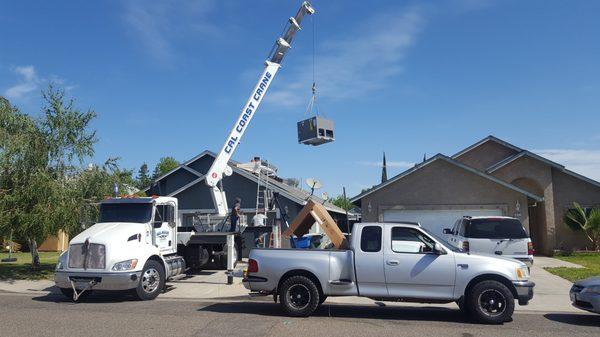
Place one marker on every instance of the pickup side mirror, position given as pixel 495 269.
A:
pixel 438 249
pixel 447 231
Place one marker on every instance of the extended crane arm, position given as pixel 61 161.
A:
pixel 220 166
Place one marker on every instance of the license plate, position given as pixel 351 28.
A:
pixel 573 297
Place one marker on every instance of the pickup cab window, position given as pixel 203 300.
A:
pixel 370 239
pixel 410 240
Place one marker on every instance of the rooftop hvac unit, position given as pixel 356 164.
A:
pixel 315 131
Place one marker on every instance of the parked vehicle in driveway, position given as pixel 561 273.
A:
pixel 585 294
pixel 391 262
pixel 493 235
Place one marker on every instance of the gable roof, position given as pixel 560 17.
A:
pixel 290 192
pixel 525 153
pixel 521 153
pixel 447 159
pixel 489 138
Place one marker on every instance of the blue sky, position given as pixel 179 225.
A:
pixel 404 77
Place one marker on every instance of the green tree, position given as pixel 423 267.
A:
pixel 143 177
pixel 585 220
pixel 343 203
pixel 40 162
pixel 165 164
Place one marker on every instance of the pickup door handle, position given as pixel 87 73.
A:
pixel 392 262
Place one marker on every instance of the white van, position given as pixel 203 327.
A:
pixel 494 235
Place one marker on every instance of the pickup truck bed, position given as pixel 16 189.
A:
pixel 333 268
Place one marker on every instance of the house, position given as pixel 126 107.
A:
pixel 490 177
pixel 186 183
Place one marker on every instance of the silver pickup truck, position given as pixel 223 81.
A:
pixel 391 262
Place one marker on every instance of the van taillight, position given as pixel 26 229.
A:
pixel 465 246
pixel 252 266
pixel 530 249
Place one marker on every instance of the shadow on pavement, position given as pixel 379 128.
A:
pixel 575 319
pixel 93 297
pixel 346 311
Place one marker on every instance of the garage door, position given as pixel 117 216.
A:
pixel 435 220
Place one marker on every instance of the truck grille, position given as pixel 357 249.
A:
pixel 87 256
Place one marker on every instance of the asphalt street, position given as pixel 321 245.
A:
pixel 115 315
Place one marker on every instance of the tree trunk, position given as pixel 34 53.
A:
pixel 35 256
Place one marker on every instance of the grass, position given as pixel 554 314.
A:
pixel 591 262
pixel 21 269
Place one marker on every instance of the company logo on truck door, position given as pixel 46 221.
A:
pixel 162 234
pixel 248 112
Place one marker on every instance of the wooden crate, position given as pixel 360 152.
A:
pixel 316 213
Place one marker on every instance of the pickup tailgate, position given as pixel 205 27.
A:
pixel 334 269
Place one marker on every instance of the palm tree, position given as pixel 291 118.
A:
pixel 586 220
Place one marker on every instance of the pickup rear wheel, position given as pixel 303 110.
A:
pixel 491 302
pixel 152 281
pixel 299 296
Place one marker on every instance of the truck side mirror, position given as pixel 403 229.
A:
pixel 447 231
pixel 438 249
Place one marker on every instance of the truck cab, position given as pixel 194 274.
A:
pixel 132 247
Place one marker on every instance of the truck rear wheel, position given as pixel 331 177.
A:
pixel 152 281
pixel 299 296
pixel 490 302
pixel 221 259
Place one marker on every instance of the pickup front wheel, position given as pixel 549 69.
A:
pixel 299 296
pixel 490 302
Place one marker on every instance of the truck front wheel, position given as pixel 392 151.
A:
pixel 299 296
pixel 151 282
pixel 490 302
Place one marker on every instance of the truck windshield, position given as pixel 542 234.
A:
pixel 492 228
pixel 141 213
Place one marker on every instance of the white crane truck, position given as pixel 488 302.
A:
pixel 136 245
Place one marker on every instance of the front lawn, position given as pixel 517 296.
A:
pixel 591 262
pixel 21 269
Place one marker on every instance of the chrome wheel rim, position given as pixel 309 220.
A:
pixel 150 280
pixel 298 296
pixel 492 302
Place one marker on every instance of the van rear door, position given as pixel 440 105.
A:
pixel 497 236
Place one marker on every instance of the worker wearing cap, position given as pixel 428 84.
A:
pixel 236 212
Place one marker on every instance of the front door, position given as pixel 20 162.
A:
pixel 413 270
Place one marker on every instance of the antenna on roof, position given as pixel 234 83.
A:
pixel 314 184
pixel 325 197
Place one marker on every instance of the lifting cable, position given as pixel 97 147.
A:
pixel 312 104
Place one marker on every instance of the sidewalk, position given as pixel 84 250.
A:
pixel 551 292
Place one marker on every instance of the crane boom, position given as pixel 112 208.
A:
pixel 220 166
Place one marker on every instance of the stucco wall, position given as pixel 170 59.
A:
pixel 541 174
pixel 485 155
pixel 442 184
pixel 569 189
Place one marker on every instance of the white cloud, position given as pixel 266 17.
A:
pixel 358 61
pixel 157 25
pixel 584 162
pixel 400 164
pixel 28 82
